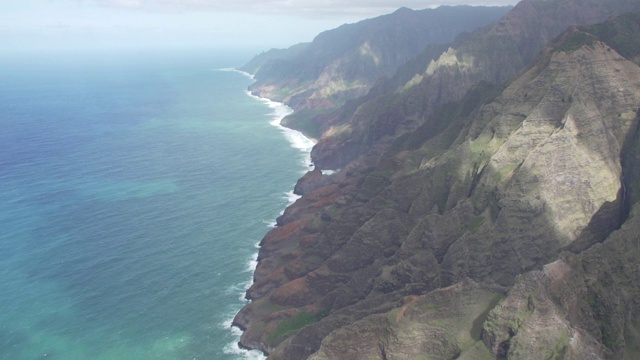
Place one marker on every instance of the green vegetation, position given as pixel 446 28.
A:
pixel 477 352
pixel 559 350
pixel 443 195
pixel 622 34
pixel 476 223
pixel 266 306
pixel 293 324
pixel 448 120
pixel 476 327
pixel 575 41
pixel 394 246
pixel 303 121
pixel 333 211
pixel 507 169
pixel 611 340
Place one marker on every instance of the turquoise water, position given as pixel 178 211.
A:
pixel 133 191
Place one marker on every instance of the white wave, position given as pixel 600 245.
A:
pixel 269 103
pixel 240 289
pixel 242 295
pixel 270 224
pixel 291 197
pixel 234 349
pixel 297 141
pixel 251 265
pixel 227 324
pixel 250 76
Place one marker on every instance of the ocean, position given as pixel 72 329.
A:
pixel 134 189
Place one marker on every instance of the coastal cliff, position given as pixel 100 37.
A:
pixel 486 208
pixel 493 55
pixel 344 63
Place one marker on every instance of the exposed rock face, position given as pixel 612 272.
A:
pixel 344 63
pixel 441 323
pixel 315 179
pixel 504 225
pixel 494 54
pixel 584 306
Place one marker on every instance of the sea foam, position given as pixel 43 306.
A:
pixel 250 76
pixel 297 139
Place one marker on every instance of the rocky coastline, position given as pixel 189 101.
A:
pixel 485 209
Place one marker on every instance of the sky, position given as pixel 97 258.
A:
pixel 242 24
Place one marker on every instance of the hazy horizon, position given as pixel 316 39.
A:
pixel 67 25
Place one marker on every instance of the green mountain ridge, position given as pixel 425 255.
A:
pixel 344 63
pixel 494 54
pixel 499 223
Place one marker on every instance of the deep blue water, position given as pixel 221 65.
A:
pixel 133 191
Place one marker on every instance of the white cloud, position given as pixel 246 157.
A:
pixel 123 3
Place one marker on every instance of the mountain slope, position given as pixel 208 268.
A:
pixel 344 63
pixel 408 255
pixel 495 54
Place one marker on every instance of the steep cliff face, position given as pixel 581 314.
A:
pixel 522 213
pixel 344 63
pixel 455 239
pixel 582 306
pixel 494 54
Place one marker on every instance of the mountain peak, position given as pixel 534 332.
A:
pixel 403 10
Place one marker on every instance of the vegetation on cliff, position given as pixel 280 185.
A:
pixel 344 63
pixel 486 207
pixel 494 54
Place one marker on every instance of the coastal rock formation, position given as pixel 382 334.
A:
pixel 500 223
pixel 315 179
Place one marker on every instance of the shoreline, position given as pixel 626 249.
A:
pixel 297 138
pixel 304 144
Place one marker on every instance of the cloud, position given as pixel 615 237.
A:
pixel 123 3
pixel 319 8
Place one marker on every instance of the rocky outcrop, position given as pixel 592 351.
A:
pixel 502 226
pixel 315 179
pixel 443 324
